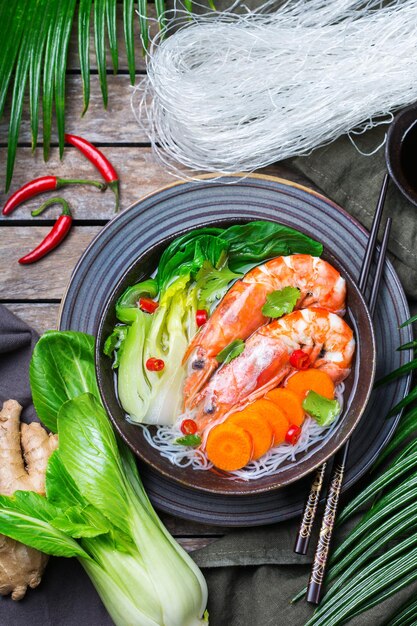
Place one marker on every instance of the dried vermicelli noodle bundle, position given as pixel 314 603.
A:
pixel 229 93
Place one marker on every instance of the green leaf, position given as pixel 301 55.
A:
pixel 50 61
pixel 60 69
pixel 111 28
pixel 405 615
pixel 36 57
pixel 143 21
pixel 89 452
pixel 79 522
pixel 212 283
pixel 280 302
pixel 34 17
pixel 13 21
pixel 160 13
pixel 231 351
pixel 26 516
pixel 62 367
pixel 260 240
pixel 113 346
pixel 84 12
pixel 189 440
pixel 400 371
pixel 130 297
pixel 99 41
pixel 407 426
pixel 411 397
pixel 411 345
pixel 411 320
pixel 129 42
pixel 322 409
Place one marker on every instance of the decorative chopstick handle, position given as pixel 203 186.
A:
pixel 318 570
pixel 310 508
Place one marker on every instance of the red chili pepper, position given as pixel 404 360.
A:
pixel 155 365
pixel 148 305
pixel 201 317
pixel 97 158
pixel 188 427
pixel 300 360
pixel 39 185
pixel 59 231
pixel 293 434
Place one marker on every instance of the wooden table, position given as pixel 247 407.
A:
pixel 34 292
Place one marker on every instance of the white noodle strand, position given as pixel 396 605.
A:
pixel 228 93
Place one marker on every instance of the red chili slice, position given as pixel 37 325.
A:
pixel 300 360
pixel 293 434
pixel 148 305
pixel 188 427
pixel 201 317
pixel 155 365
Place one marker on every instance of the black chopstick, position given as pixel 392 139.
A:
pixel 322 552
pixel 313 498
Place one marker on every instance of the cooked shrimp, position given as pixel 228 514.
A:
pixel 264 363
pixel 239 314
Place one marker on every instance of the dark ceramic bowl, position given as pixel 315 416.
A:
pixel 401 152
pixel 358 389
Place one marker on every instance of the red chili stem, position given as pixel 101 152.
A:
pixel 58 232
pixel 101 162
pixel 42 184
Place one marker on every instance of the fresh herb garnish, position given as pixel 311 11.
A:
pixel 231 351
pixel 280 302
pixel 189 440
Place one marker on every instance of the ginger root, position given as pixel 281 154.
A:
pixel 24 453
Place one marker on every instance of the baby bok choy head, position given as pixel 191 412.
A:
pixel 96 508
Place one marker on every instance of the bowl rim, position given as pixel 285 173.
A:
pixel 393 152
pixel 277 484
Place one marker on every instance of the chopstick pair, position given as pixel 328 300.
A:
pixel 322 552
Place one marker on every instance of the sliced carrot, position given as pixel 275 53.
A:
pixel 276 418
pixel 290 403
pixel 311 380
pixel 257 426
pixel 229 447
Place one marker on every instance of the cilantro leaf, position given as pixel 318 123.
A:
pixel 280 302
pixel 231 351
pixel 189 440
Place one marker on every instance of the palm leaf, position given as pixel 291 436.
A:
pixel 13 21
pixel 33 17
pixel 111 28
pixel 400 371
pixel 128 33
pixel 68 8
pixel 160 14
pixel 99 22
pixel 407 426
pixel 84 12
pixel 48 75
pixel 36 55
pixel 405 615
pixel 143 21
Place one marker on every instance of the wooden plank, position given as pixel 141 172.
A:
pixel 114 125
pixel 46 279
pixel 190 544
pixel 41 317
pixel 140 174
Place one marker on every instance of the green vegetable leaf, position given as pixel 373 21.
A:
pixel 260 240
pixel 130 297
pixel 88 450
pixel 212 283
pixel 322 409
pixel 62 367
pixel 231 351
pixel 79 522
pixel 113 346
pixel 26 516
pixel 280 302
pixel 189 440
